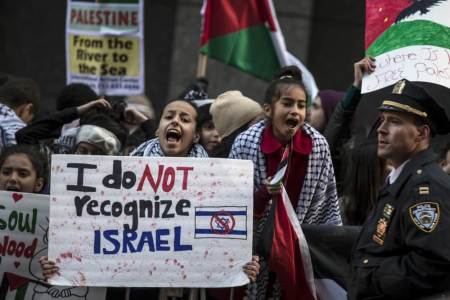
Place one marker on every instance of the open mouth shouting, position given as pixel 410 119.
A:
pixel 177 128
pixel 173 136
pixel 292 123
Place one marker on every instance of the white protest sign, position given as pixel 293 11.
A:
pixel 104 46
pixel 23 240
pixel 407 43
pixel 415 63
pixel 23 225
pixel 155 222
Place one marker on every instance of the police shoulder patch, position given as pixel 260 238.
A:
pixel 425 215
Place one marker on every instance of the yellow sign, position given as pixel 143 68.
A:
pixel 104 55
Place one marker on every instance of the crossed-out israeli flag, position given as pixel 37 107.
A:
pixel 222 222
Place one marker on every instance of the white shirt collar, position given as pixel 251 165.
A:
pixel 395 173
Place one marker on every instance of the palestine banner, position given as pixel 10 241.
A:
pixel 246 35
pixel 409 39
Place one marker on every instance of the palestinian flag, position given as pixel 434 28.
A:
pixel 409 39
pixel 246 35
pixel 283 244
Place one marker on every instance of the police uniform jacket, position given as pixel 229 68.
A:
pixel 403 250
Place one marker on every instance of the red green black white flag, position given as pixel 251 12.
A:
pixel 246 35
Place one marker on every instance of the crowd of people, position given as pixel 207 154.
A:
pixel 389 182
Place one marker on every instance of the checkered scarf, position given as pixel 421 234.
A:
pixel 153 148
pixel 9 124
pixel 317 203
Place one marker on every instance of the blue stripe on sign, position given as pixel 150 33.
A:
pixel 210 213
pixel 209 231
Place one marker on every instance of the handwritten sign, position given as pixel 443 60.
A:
pixel 156 222
pixel 23 218
pixel 23 240
pixel 415 63
pixel 105 46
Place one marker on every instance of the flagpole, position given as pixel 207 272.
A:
pixel 201 65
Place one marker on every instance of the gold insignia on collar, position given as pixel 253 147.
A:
pixel 424 190
pixel 398 87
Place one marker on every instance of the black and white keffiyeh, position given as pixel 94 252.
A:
pixel 318 198
pixel 9 124
pixel 317 204
pixel 153 148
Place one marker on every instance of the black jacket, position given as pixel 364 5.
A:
pixel 339 131
pixel 403 250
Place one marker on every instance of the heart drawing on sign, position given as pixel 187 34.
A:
pixel 17 196
pixel 17 264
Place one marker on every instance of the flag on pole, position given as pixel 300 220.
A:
pixel 246 35
pixel 409 39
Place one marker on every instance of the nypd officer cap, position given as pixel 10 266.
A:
pixel 408 97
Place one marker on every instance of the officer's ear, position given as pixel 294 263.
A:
pixel 424 133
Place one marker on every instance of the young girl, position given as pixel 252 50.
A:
pixel 177 133
pixel 22 169
pixel 309 179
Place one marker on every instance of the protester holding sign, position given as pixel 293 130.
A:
pixel 309 167
pixel 177 133
pixel 25 170
pixel 340 126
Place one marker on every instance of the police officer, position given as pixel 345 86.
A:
pixel 403 250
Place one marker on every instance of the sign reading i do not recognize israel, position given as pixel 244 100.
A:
pixel 141 221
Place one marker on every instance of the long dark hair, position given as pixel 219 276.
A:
pixel 362 182
pixel 37 159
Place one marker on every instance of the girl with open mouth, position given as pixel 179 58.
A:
pixel 177 133
pixel 309 182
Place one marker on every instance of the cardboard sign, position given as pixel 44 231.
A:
pixel 150 222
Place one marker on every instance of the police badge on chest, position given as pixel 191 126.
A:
pixel 383 224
